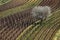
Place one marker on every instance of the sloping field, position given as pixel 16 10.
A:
pixel 12 4
pixel 27 5
pixel 54 4
pixel 38 32
pixel 16 22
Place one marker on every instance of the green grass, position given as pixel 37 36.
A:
pixel 57 35
pixel 26 6
pixel 31 33
pixel 4 1
pixel 27 30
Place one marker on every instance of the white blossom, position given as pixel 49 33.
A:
pixel 41 12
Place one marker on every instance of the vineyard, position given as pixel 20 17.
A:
pixel 17 23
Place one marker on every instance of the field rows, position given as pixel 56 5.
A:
pixel 14 24
pixel 27 5
pixel 11 23
pixel 12 4
pixel 54 4
pixel 30 34
pixel 15 21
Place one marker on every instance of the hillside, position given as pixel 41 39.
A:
pixel 17 23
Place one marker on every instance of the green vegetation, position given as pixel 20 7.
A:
pixel 34 31
pixel 57 35
pixel 4 1
pixel 37 30
pixel 27 5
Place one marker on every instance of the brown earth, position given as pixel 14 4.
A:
pixel 15 24
pixel 12 4
pixel 54 4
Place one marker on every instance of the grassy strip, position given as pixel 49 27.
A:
pixel 30 34
pixel 48 20
pixel 33 29
pixel 50 26
pixel 25 31
pixel 53 17
pixel 27 5
pixel 33 35
pixel 4 1
pixel 57 35
pixel 57 13
pixel 27 35
pixel 55 28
